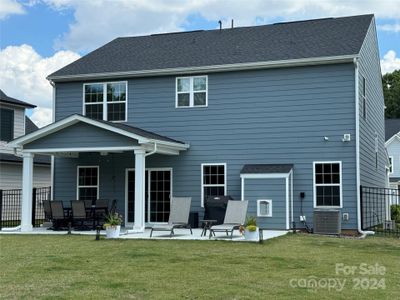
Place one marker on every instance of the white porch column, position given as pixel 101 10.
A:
pixel 140 167
pixel 27 185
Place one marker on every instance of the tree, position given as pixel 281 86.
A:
pixel 391 92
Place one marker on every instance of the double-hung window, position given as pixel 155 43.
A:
pixel 88 183
pixel 213 180
pixel 391 165
pixel 191 91
pixel 106 101
pixel 327 184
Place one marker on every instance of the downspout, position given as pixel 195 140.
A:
pixel 53 119
pixel 358 181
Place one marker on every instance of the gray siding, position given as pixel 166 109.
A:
pixel 11 176
pixel 267 189
pixel 393 150
pixel 264 116
pixel 19 125
pixel 369 68
pixel 81 135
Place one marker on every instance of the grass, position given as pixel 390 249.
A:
pixel 78 267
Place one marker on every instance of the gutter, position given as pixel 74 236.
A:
pixel 358 182
pixel 210 69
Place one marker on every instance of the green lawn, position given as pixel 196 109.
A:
pixel 76 267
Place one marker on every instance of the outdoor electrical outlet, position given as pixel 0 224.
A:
pixel 345 216
pixel 302 218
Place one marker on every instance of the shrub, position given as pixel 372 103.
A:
pixel 395 212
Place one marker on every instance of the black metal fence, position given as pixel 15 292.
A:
pixel 10 206
pixel 380 210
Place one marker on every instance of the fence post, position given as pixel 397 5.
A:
pixel 33 206
pixel 361 208
pixel 1 208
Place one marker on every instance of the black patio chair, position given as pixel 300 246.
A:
pixel 101 210
pixel 47 210
pixel 58 216
pixel 79 215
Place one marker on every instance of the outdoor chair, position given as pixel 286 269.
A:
pixel 101 210
pixel 47 210
pixel 78 213
pixel 58 216
pixel 235 216
pixel 178 216
pixel 88 204
pixel 113 206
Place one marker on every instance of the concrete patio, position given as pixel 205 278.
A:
pixel 180 234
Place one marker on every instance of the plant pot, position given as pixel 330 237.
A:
pixel 251 235
pixel 112 232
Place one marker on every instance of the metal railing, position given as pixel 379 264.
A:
pixel 380 210
pixel 10 206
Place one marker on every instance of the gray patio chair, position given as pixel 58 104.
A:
pixel 78 212
pixel 47 210
pixel 178 216
pixel 58 216
pixel 235 216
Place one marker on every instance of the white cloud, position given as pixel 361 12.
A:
pixel 10 7
pixel 390 27
pixel 42 116
pixel 23 75
pixel 390 62
pixel 99 21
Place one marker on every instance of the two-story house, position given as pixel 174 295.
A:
pixel 289 116
pixel 392 133
pixel 14 123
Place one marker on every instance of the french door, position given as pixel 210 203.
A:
pixel 158 190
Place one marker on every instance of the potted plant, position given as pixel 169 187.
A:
pixel 250 229
pixel 113 225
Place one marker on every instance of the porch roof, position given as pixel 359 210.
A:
pixel 266 168
pixel 78 133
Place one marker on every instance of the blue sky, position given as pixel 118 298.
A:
pixel 40 36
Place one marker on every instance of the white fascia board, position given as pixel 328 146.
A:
pixel 210 69
pixel 394 137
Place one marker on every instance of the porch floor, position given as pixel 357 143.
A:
pixel 180 234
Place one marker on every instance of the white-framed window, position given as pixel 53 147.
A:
pixel 363 97
pixel 376 151
pixel 391 165
pixel 191 91
pixel 106 101
pixel 87 183
pixel 264 208
pixel 213 180
pixel 327 184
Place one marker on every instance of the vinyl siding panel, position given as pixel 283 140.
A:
pixel 374 123
pixel 11 176
pixel 263 116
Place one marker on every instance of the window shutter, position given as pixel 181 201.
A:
pixel 6 124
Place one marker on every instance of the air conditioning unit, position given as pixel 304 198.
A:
pixel 327 221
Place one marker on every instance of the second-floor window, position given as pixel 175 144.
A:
pixel 191 91
pixel 105 101
pixel 390 164
pixel 6 124
pixel 363 98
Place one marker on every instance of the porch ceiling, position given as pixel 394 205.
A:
pixel 77 133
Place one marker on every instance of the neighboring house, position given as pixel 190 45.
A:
pixel 392 132
pixel 289 116
pixel 14 123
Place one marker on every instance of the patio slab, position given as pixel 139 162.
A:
pixel 180 234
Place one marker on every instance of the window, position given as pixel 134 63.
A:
pixel 191 91
pixel 6 124
pixel 363 98
pixel 213 180
pixel 376 150
pixel 106 101
pixel 391 165
pixel 88 183
pixel 327 184
pixel 264 208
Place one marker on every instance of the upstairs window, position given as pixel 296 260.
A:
pixel 363 98
pixel 191 91
pixel 390 164
pixel 105 101
pixel 327 184
pixel 6 124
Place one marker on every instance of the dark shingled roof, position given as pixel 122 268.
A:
pixel 392 126
pixel 37 159
pixel 29 126
pixel 266 168
pixel 6 99
pixel 281 41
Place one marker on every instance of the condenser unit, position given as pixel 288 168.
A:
pixel 327 222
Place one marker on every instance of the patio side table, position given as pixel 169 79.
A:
pixel 207 225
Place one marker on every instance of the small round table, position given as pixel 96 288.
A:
pixel 207 225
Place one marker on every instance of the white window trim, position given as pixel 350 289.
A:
pixel 84 186
pixel 331 184
pixel 191 92
pixel 259 211
pixel 391 158
pixel 212 185
pixel 364 97
pixel 104 102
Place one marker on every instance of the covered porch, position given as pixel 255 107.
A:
pixel 78 138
